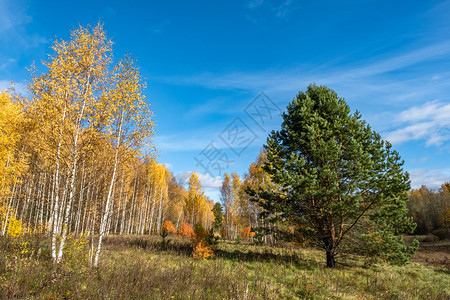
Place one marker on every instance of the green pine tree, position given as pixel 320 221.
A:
pixel 340 181
pixel 218 216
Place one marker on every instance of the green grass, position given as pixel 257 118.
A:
pixel 144 268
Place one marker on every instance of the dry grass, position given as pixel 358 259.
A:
pixel 141 267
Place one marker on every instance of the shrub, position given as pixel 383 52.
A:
pixel 166 229
pixel 202 250
pixel 202 242
pixel 168 226
pixel 211 238
pixel 14 228
pixel 199 233
pixel 186 231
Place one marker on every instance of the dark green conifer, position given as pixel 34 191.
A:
pixel 340 181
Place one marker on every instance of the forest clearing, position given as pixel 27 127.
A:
pixel 262 198
pixel 142 267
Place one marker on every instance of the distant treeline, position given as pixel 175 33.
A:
pixel 430 209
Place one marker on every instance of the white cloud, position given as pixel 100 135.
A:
pixel 207 181
pixel 168 165
pixel 210 182
pixel 158 28
pixel 429 122
pixel 12 16
pixel 5 84
pixel 431 178
pixel 19 88
pixel 7 62
pixel 186 141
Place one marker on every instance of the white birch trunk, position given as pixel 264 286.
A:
pixel 108 199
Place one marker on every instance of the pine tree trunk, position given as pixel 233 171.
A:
pixel 331 261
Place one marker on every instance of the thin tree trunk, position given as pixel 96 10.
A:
pixel 158 225
pixel 108 200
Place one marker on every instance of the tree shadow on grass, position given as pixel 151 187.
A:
pixel 152 243
pixel 268 256
pixel 184 248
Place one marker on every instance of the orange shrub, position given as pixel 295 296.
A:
pixel 247 233
pixel 168 227
pixel 186 230
pixel 202 250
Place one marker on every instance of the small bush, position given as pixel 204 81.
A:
pixel 202 251
pixel 166 229
pixel 186 231
pixel 211 238
pixel 14 228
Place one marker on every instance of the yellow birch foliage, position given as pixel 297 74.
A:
pixel 11 120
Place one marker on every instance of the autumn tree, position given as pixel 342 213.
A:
pixel 336 174
pixel 85 107
pixel 176 194
pixel 226 197
pixel 195 202
pixel 12 164
pixel 65 98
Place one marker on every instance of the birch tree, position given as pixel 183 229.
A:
pixel 128 122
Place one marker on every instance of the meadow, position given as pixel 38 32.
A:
pixel 144 267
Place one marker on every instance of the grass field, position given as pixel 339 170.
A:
pixel 141 267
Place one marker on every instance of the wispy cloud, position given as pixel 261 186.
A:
pixel 283 10
pixel 13 22
pixel 288 79
pixel 429 122
pixel 280 10
pixel 158 28
pixel 12 16
pixel 254 3
pixel 7 63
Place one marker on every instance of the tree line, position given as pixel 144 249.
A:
pixel 430 209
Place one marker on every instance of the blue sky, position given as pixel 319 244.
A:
pixel 210 65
